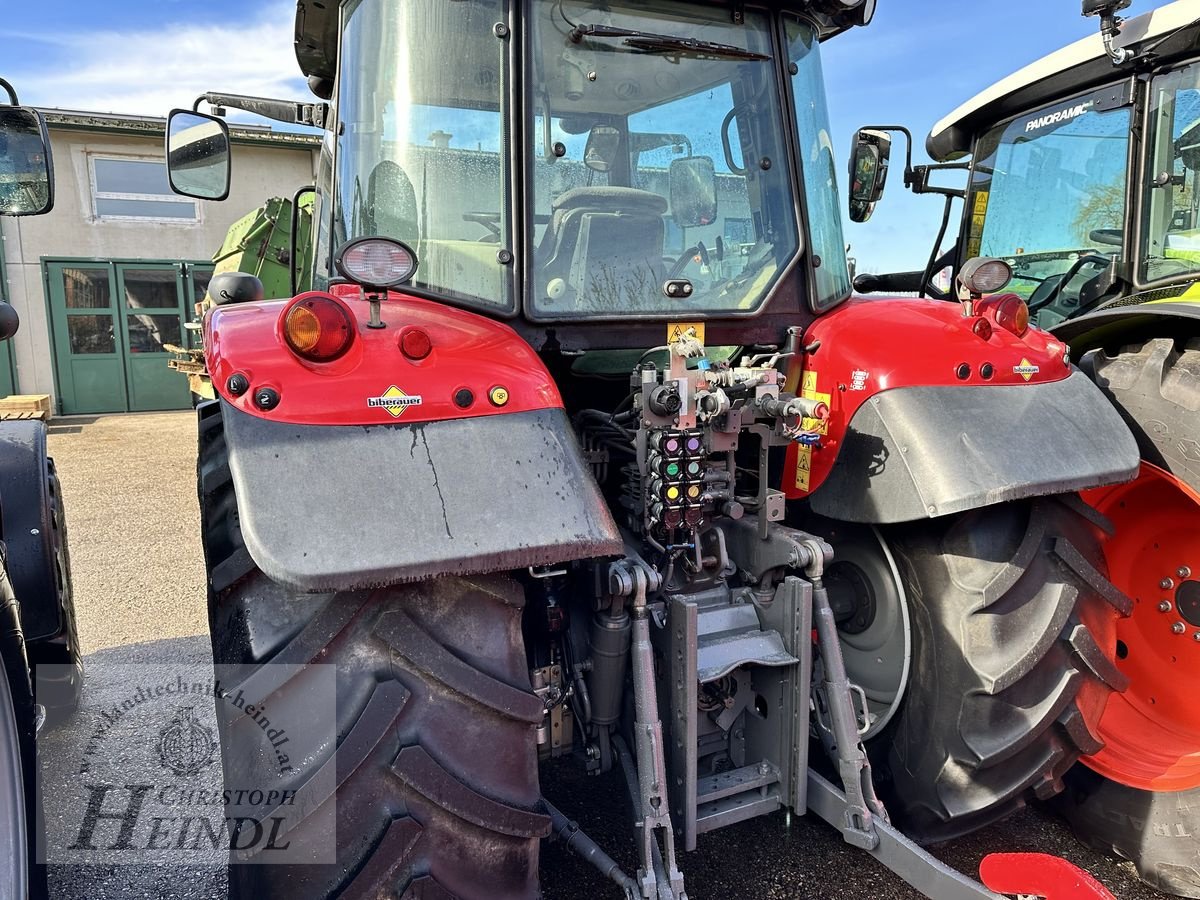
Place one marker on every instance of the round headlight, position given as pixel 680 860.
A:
pixel 376 262
pixel 984 275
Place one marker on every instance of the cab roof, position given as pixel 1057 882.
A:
pixel 1075 68
pixel 316 38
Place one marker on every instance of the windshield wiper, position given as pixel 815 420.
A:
pixel 648 42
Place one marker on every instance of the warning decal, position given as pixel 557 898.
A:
pixel 676 330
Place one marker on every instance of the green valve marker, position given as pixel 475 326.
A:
pixel 673 470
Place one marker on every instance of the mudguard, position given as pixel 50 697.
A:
pixel 326 507
pixel 1120 324
pixel 26 527
pixel 918 452
pixel 931 413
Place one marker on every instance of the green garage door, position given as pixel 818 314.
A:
pixel 110 322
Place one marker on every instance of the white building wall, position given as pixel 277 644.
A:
pixel 72 229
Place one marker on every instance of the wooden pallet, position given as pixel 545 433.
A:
pixel 15 406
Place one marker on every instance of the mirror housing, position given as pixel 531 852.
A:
pixel 198 155
pixel 868 171
pixel 9 321
pixel 693 191
pixel 26 168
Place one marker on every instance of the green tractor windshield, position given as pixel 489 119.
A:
pixel 648 147
pixel 1048 195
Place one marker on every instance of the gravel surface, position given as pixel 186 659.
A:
pixel 129 484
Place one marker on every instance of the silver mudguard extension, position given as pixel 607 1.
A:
pixel 920 452
pixel 347 507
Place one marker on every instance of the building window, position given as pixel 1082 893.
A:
pixel 137 189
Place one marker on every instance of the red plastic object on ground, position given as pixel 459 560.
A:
pixel 1041 875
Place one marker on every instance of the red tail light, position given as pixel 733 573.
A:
pixel 317 327
pixel 1012 314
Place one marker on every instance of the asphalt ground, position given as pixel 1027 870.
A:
pixel 129 486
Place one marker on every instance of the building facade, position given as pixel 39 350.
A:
pixel 110 276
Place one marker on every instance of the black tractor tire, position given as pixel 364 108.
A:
pixel 1156 830
pixel 57 661
pixel 999 600
pixel 437 792
pixel 20 811
pixel 1155 386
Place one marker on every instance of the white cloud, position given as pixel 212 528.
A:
pixel 151 72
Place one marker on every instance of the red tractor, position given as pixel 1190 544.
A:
pixel 578 446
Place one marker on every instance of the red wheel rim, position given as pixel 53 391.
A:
pixel 1151 731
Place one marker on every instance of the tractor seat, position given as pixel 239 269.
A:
pixel 603 249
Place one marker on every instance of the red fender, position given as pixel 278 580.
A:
pixel 872 345
pixel 1041 875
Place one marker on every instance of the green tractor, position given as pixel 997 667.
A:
pixel 1084 177
pixel 263 243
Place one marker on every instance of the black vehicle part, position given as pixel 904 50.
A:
pixel 35 532
pixel 57 661
pixel 487 494
pixel 1155 386
pixel 235 287
pixel 436 766
pixel 1156 830
pixel 906 454
pixel 1008 607
pixel 20 813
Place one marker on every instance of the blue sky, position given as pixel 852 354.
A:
pixel 918 60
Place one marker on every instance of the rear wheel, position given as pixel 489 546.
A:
pixel 435 765
pixel 1139 796
pixel 1013 632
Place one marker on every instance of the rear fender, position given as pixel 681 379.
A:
pixel 908 437
pixel 477 470
pixel 27 527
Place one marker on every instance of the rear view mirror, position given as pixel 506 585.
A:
pixel 693 191
pixel 868 172
pixel 9 321
pixel 26 172
pixel 602 145
pixel 198 158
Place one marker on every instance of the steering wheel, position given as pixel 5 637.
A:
pixel 490 221
pixel 1057 284
pixel 1110 236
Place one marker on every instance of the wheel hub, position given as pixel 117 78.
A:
pixel 1187 601
pixel 873 624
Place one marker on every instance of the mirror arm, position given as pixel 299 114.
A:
pixel 290 111
pixel 294 265
pixel 11 91
pixel 920 180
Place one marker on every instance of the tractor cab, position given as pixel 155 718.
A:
pixel 634 162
